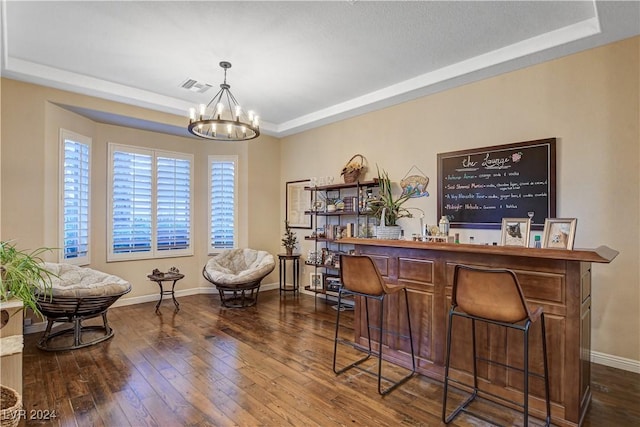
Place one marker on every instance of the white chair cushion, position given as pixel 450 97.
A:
pixel 239 266
pixel 74 281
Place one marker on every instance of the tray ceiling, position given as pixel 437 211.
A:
pixel 300 64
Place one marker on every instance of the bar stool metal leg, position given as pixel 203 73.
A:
pixel 547 396
pixel 525 370
pixel 381 332
pixel 525 362
pixel 413 353
pixel 474 393
pixel 380 345
pixel 413 356
pixel 336 339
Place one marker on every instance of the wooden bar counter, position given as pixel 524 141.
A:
pixel 558 280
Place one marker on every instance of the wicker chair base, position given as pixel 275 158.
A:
pixel 238 298
pixel 78 331
pixel 239 295
pixel 75 310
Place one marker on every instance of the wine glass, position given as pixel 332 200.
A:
pixel 530 214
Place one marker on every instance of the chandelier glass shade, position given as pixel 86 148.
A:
pixel 223 119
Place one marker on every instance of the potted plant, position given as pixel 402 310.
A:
pixel 289 240
pixel 21 272
pixel 389 208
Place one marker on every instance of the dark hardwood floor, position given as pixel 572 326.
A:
pixel 268 365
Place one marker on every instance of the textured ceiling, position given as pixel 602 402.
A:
pixel 299 64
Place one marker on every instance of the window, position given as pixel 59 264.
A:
pixel 223 202
pixel 75 158
pixel 150 203
pixel 173 203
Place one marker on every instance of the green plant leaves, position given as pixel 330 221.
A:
pixel 23 276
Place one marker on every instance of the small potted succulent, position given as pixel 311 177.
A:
pixel 289 240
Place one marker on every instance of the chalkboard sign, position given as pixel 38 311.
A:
pixel 479 187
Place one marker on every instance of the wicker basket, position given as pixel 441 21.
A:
pixel 11 406
pixel 353 168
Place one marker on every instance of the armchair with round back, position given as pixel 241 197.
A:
pixel 237 274
pixel 78 294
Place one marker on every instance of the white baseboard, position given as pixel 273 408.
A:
pixel 615 362
pixel 35 328
pixel 180 293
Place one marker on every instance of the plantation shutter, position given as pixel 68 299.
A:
pixel 75 200
pixel 132 202
pixel 173 203
pixel 223 203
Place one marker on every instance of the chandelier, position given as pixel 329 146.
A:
pixel 222 119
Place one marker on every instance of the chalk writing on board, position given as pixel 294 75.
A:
pixel 479 187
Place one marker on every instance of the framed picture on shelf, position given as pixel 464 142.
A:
pixel 559 233
pixel 515 232
pixel 298 200
pixel 315 281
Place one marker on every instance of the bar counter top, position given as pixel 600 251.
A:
pixel 601 254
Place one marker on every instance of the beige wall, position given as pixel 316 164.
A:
pixel 30 168
pixel 589 101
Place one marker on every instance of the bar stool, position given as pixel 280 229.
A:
pixel 360 277
pixel 493 296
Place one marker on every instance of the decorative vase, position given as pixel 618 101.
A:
pixel 387 232
pixel 289 251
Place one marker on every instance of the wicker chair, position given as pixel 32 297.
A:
pixel 237 274
pixel 78 294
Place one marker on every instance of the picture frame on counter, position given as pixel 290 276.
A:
pixel 559 233
pixel 515 232
pixel 315 281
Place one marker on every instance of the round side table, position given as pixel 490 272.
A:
pixel 295 259
pixel 166 277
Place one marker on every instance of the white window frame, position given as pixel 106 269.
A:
pixel 65 135
pixel 212 250
pixel 154 252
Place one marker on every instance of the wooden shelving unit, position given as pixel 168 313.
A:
pixel 330 228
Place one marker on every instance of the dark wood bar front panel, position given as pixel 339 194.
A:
pixel 557 280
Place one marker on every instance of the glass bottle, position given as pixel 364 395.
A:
pixel 444 225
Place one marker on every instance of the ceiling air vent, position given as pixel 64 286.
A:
pixel 194 86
